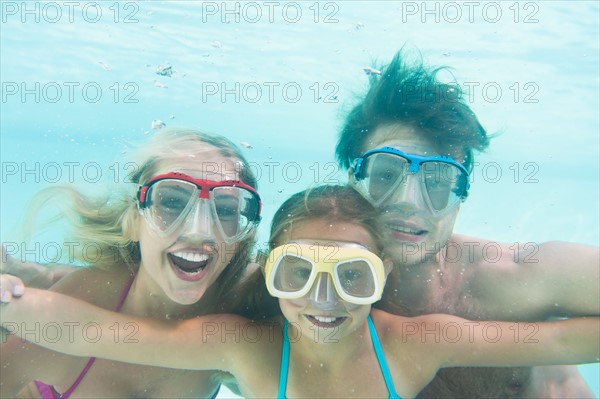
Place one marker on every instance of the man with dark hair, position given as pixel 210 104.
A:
pixel 408 146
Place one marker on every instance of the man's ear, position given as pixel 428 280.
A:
pixel 388 265
pixel 351 175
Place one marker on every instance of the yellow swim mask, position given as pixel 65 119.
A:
pixel 357 273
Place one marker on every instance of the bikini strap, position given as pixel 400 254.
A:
pixel 285 362
pixel 124 294
pixel 90 362
pixel 389 383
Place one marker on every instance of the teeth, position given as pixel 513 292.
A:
pixel 191 256
pixel 403 229
pixel 325 319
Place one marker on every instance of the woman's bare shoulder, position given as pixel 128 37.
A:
pixel 95 285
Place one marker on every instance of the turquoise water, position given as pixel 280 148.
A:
pixel 80 84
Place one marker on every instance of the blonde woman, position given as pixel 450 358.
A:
pixel 172 248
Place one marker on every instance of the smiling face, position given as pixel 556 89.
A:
pixel 186 262
pixel 322 309
pixel 412 234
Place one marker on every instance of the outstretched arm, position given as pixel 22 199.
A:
pixel 489 343
pixel 535 281
pixel 78 328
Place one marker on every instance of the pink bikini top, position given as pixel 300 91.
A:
pixel 48 391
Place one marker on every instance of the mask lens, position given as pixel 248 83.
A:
pixel 168 202
pixel 292 273
pixel 442 184
pixel 236 209
pixel 356 278
pixel 382 175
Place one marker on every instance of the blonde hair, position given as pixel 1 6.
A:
pixel 109 221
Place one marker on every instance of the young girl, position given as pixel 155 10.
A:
pixel 324 268
pixel 174 248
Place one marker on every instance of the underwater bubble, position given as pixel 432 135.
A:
pixel 246 145
pixel 160 85
pixel 157 124
pixel 371 71
pixel 165 70
pixel 216 44
pixel 104 66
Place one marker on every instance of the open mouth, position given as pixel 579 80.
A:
pixel 189 265
pixel 326 321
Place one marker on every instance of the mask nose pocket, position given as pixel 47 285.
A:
pixel 323 291
pixel 199 220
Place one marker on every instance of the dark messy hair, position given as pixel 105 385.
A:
pixel 412 96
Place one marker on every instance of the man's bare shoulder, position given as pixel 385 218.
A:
pixel 486 276
pixel 483 255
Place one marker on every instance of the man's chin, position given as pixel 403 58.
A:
pixel 410 253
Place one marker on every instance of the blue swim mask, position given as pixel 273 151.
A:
pixel 382 172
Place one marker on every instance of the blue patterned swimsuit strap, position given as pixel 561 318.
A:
pixel 381 359
pixel 285 362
